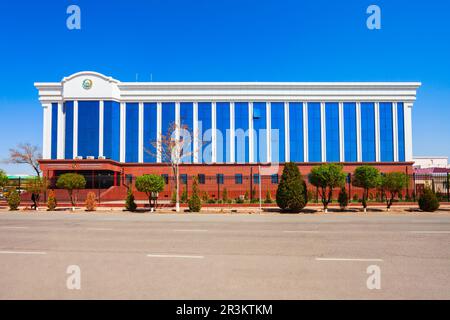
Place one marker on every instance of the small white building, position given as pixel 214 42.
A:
pixel 430 162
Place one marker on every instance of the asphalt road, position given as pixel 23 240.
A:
pixel 192 256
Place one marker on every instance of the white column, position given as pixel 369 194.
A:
pixel 341 132
pixel 47 131
pixel 177 120
pixel 141 133
pixel 61 131
pixel 251 149
pixel 377 132
pixel 305 132
pixel 158 130
pixel 123 122
pixel 232 138
pixel 395 130
pixel 75 129
pixel 358 132
pixel 268 132
pixel 214 132
pixel 408 131
pixel 323 131
pixel 101 128
pixel 196 148
pixel 287 140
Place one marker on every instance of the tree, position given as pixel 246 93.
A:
pixel 25 153
pixel 13 199
pixel 150 184
pixel 325 178
pixel 71 182
pixel 36 187
pixel 173 146
pixel 428 200
pixel 393 183
pixel 130 204
pixel 343 199
pixel 195 204
pixel 3 179
pixel 366 177
pixel 291 191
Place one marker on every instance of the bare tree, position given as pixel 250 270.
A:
pixel 25 153
pixel 173 146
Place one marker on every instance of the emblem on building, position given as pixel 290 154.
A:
pixel 87 84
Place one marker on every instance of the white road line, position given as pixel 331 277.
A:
pixel 430 232
pixel 174 256
pixel 99 229
pixel 349 259
pixel 22 252
pixel 11 227
pixel 190 230
pixel 301 231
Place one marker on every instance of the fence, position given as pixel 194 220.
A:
pixel 239 189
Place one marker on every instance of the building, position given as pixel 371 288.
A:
pixel 106 129
pixel 430 162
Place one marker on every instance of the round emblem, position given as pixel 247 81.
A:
pixel 87 84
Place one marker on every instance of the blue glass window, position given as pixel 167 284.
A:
pixel 401 131
pixel 167 122
pixel 201 178
pixel 205 132
pixel 150 132
pixel 314 133
pixel 54 146
pixel 260 132
pixel 88 128
pixel 296 131
pixel 332 131
pixel 277 134
pixel 350 143
pixel 256 178
pixel 187 124
pixel 238 178
pixel 111 130
pixel 68 110
pixel 241 132
pixel 166 178
pixel 132 132
pixel 219 178
pixel 274 178
pixel 223 132
pixel 386 133
pixel 183 178
pixel 368 131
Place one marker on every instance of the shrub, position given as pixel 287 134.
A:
pixel 393 183
pixel 70 182
pixel 355 198
pixel 268 197
pixel 51 201
pixel 91 201
pixel 151 185
pixel 184 196
pixel 239 200
pixel 3 179
pixel 130 204
pixel 428 201
pixel 246 195
pixel 366 177
pixel 13 199
pixel 205 196
pixel 343 199
pixel 325 178
pixel 195 203
pixel 225 195
pixel 174 197
pixel 291 193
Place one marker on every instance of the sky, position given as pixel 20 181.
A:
pixel 225 40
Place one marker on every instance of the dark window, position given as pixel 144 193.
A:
pixel 166 178
pixel 274 178
pixel 201 178
pixel 219 178
pixel 256 178
pixel 238 178
pixel 183 178
pixel 129 178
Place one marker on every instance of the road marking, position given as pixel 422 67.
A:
pixel 301 231
pixel 99 229
pixel 429 232
pixel 22 252
pixel 190 230
pixel 7 227
pixel 174 256
pixel 349 259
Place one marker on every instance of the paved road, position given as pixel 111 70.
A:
pixel 187 256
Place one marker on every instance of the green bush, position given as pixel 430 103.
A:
pixel 130 204
pixel 184 196
pixel 239 200
pixel 70 182
pixel 393 183
pixel 51 201
pixel 291 193
pixel 3 179
pixel 326 178
pixel 13 199
pixel 343 199
pixel 195 204
pixel 428 201
pixel 268 198
pixel 366 177
pixel 151 185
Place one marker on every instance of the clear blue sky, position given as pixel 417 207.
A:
pixel 225 40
